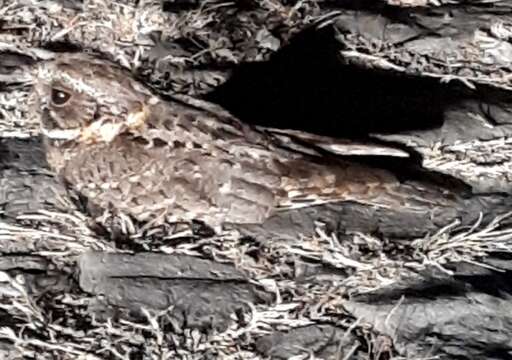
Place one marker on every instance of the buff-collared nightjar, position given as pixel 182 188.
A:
pixel 177 160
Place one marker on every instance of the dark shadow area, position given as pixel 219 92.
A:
pixel 62 46
pixel 416 293
pixel 179 5
pixel 307 86
pixel 495 284
pixel 10 61
pixel 22 153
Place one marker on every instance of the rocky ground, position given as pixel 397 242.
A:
pixel 341 281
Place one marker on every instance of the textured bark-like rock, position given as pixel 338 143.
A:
pixel 196 292
pixel 25 183
pixel 324 341
pixel 448 39
pixel 454 318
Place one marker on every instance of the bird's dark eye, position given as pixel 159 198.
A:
pixel 60 97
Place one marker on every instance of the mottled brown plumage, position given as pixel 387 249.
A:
pixel 180 160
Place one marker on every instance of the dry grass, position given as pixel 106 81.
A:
pixel 475 160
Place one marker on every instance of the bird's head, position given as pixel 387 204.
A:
pixel 84 99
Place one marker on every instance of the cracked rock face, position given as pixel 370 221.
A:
pixel 195 292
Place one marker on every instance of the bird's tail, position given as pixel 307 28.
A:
pixel 308 184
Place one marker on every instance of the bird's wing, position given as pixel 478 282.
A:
pixel 162 184
pixel 316 181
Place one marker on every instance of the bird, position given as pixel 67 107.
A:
pixel 177 159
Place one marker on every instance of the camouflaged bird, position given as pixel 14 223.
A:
pixel 180 160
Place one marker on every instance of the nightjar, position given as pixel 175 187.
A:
pixel 180 159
